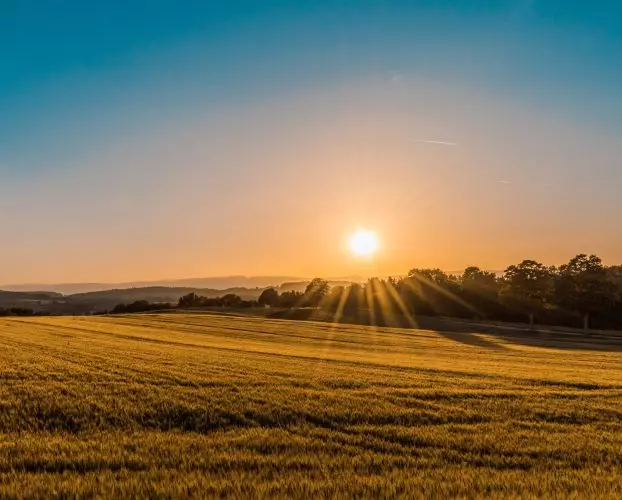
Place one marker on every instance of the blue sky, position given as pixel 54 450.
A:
pixel 87 87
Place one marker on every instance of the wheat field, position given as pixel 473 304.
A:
pixel 178 405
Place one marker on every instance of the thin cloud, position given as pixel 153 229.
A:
pixel 396 77
pixel 503 181
pixel 440 143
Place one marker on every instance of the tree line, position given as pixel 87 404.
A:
pixel 20 311
pixel 188 301
pixel 582 292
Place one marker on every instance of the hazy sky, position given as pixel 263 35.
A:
pixel 165 139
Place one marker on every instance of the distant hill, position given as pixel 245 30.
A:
pixel 30 300
pixel 299 286
pixel 90 302
pixel 283 283
pixel 107 299
pixel 217 283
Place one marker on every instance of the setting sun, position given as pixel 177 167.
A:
pixel 364 243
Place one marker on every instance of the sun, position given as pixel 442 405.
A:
pixel 363 243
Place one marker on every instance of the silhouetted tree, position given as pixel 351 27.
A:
pixel 334 298
pixel 18 311
pixel 231 300
pixel 190 300
pixel 481 289
pixel 436 276
pixel 269 297
pixel 526 286
pixel 584 285
pixel 139 306
pixel 290 299
pixel 316 290
pixel 473 276
pixel 432 291
pixel 615 275
pixel 355 299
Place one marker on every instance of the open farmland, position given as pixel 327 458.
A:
pixel 201 404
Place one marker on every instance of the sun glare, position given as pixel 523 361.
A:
pixel 364 243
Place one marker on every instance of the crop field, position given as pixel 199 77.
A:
pixel 178 405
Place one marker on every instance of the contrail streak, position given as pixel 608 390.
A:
pixel 440 143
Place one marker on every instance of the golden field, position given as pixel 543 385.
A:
pixel 177 405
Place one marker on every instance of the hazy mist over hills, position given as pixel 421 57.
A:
pixel 89 298
pixel 216 283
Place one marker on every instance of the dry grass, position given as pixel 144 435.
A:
pixel 199 404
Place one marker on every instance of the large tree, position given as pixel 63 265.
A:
pixel 290 299
pixel 525 287
pixel 189 300
pixel 585 286
pixel 231 300
pixel 435 276
pixel 474 277
pixel 269 297
pixel 316 290
pixel 481 289
pixel 435 292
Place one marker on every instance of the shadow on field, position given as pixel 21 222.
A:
pixel 470 332
pixel 544 336
pixel 469 338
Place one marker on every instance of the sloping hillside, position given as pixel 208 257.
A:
pixel 27 299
